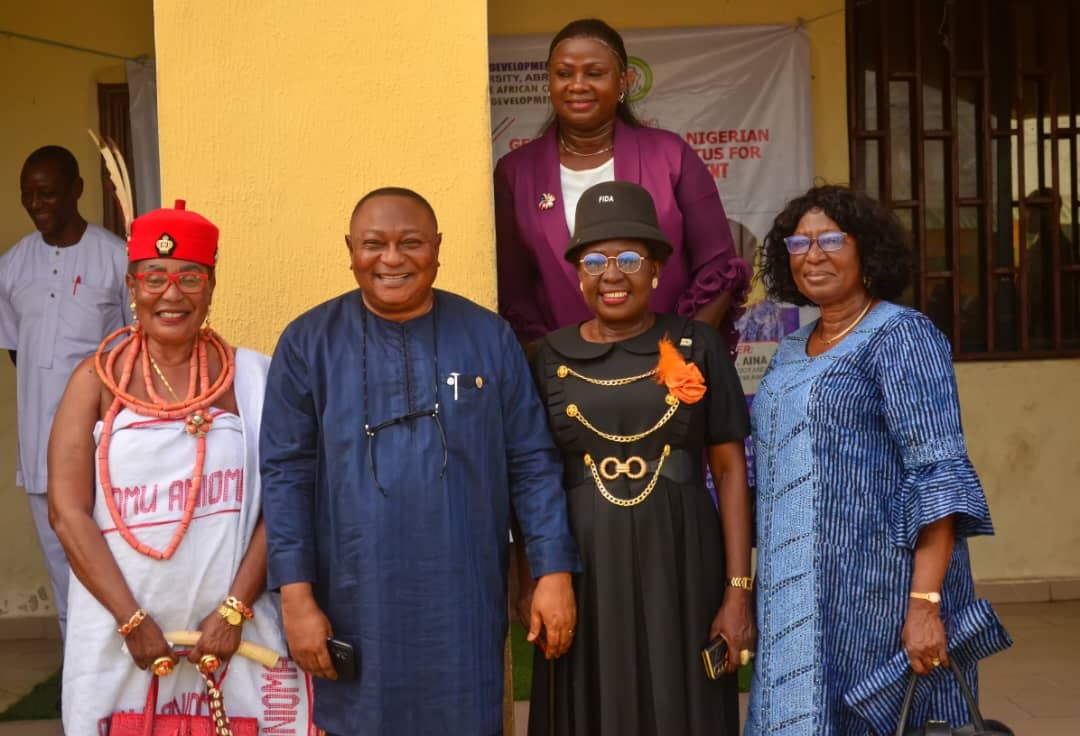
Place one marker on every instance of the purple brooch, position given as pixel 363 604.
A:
pixel 547 201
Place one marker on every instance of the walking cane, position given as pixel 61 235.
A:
pixel 255 652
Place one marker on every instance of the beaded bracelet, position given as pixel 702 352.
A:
pixel 132 623
pixel 237 605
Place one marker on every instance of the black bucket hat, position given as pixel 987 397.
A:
pixel 616 210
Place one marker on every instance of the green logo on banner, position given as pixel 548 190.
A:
pixel 640 78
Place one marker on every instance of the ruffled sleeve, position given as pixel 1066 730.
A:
pixel 922 410
pixel 715 268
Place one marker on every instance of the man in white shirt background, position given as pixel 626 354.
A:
pixel 62 291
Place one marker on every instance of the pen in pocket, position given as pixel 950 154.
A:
pixel 75 285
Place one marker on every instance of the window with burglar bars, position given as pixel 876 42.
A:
pixel 965 119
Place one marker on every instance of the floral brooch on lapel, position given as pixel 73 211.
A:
pixel 547 201
pixel 683 380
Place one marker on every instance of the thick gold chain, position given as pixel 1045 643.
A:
pixel 565 370
pixel 573 412
pixel 626 502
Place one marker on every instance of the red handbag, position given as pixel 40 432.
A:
pixel 152 723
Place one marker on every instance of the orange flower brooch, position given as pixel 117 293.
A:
pixel 683 380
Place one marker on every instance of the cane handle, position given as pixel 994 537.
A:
pixel 255 652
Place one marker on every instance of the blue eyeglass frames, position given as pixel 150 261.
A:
pixel 628 261
pixel 798 245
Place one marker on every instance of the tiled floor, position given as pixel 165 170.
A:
pixel 1031 687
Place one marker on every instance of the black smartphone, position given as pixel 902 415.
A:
pixel 715 656
pixel 343 657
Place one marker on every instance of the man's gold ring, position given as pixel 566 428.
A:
pixel 745 655
pixel 162 666
pixel 935 662
pixel 209 663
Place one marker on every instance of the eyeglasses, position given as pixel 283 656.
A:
pixel 628 262
pixel 797 245
pixel 373 431
pixel 189 282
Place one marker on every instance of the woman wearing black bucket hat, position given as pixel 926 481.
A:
pixel 634 398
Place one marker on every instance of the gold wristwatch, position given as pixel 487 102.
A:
pixel 231 615
pixel 932 597
pixel 746 583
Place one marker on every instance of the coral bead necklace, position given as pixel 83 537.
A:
pixel 193 409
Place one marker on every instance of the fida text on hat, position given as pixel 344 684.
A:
pixel 606 198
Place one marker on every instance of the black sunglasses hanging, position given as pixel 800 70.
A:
pixel 372 431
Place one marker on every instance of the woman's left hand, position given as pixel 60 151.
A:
pixel 219 638
pixel 735 621
pixel 923 636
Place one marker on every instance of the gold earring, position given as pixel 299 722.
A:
pixel 622 96
pixel 581 285
pixel 655 281
pixel 134 317
pixel 206 322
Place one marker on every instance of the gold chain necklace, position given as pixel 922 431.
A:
pixel 625 502
pixel 565 370
pixel 573 412
pixel 850 327
pixel 164 380
pixel 573 152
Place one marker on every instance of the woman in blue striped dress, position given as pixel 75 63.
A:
pixel 865 495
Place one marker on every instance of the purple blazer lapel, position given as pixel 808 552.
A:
pixel 547 179
pixel 627 153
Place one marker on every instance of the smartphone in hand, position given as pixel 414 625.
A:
pixel 715 658
pixel 343 656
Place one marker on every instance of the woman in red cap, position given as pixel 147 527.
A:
pixel 154 493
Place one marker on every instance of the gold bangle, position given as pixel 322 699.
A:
pixel 132 623
pixel 237 605
pixel 744 583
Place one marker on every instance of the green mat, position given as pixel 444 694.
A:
pixel 523 654
pixel 37 705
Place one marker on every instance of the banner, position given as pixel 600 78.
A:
pixel 738 95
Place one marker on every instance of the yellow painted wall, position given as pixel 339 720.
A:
pixel 1020 417
pixel 276 117
pixel 49 96
pixel 1022 421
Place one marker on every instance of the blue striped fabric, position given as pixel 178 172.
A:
pixel 856 449
pixel 974 632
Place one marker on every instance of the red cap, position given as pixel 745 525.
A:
pixel 173 233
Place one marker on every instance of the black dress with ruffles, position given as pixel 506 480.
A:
pixel 650 537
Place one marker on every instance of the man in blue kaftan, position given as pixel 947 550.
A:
pixel 400 425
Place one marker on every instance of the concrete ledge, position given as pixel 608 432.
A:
pixel 29 627
pixel 1029 591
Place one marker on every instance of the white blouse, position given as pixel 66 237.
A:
pixel 574 183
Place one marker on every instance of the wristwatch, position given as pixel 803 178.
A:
pixel 932 597
pixel 231 615
pixel 746 583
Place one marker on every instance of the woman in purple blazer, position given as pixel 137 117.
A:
pixel 595 137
